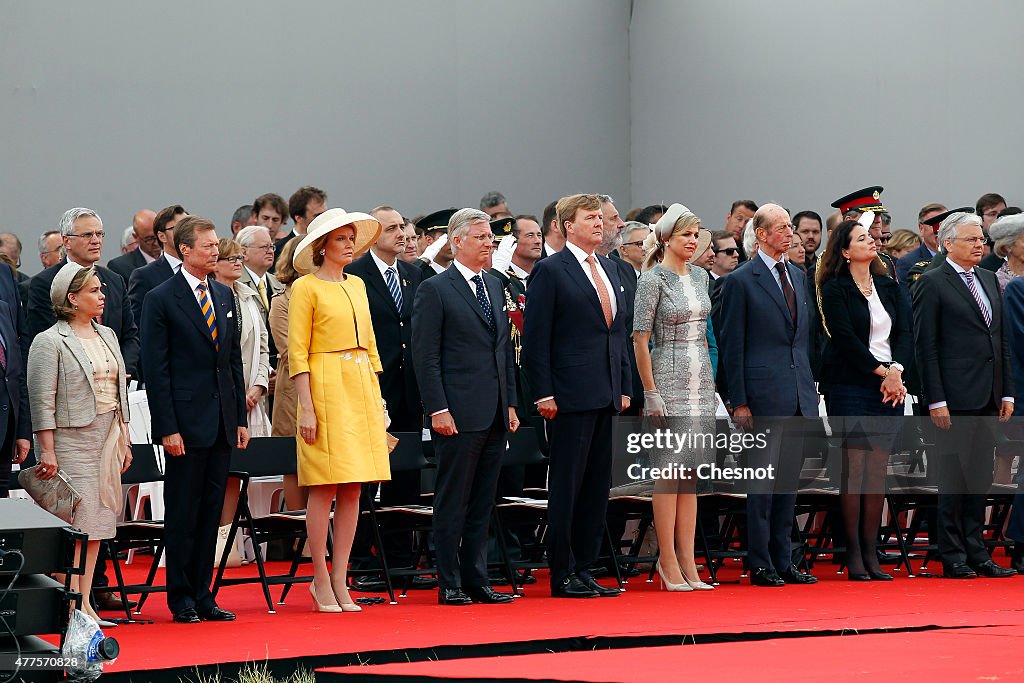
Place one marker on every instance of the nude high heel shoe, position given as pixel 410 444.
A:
pixel 668 585
pixel 320 607
pixel 346 606
pixel 697 584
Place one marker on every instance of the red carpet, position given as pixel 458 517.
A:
pixel 418 622
pixel 974 654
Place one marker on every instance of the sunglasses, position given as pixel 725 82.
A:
pixel 885 237
pixel 728 251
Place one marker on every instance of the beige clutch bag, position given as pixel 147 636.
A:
pixel 56 495
pixel 392 441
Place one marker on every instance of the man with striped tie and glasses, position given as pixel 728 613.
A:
pixel 966 379
pixel 193 366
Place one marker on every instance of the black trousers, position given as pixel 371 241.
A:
pixel 580 474
pixel 468 464
pixel 965 460
pixel 193 497
pixel 771 503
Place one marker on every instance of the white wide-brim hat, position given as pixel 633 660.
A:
pixel 367 230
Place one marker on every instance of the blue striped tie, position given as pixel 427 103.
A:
pixel 396 291
pixel 207 308
pixel 985 313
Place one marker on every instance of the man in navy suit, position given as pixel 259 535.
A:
pixel 15 423
pixel 764 343
pixel 465 367
pixel 574 352
pixel 144 279
pixel 192 361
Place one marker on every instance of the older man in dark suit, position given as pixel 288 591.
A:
pixel 574 352
pixel 765 316
pixel 966 374
pixel 82 232
pixel 193 367
pixel 147 251
pixel 465 368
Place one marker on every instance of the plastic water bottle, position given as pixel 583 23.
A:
pixel 86 648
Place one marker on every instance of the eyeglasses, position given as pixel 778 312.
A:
pixel 633 244
pixel 237 258
pixel 88 236
pixel 264 247
pixel 728 251
pixel 970 240
pixel 151 239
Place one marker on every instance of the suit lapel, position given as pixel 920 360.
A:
pixel 454 276
pixel 960 286
pixel 496 291
pixel 377 282
pixel 188 303
pixel 575 270
pixel 612 271
pixel 766 280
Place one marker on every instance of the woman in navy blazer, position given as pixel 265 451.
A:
pixel 869 344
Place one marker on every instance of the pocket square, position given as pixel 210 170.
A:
pixel 621 288
pixel 230 313
pixel 504 309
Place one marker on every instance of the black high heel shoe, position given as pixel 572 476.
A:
pixel 879 575
pixel 858 576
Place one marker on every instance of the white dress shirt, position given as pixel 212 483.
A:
pixel 174 262
pixel 193 284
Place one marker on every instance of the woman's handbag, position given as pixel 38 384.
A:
pixel 56 495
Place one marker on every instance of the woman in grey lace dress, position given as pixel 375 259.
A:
pixel 672 307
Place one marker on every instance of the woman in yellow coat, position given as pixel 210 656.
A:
pixel 332 357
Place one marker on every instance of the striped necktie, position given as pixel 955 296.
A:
pixel 971 285
pixel 206 306
pixel 392 282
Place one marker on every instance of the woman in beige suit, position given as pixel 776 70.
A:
pixel 79 401
pixel 285 398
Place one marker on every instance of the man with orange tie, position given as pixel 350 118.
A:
pixel 574 353
pixel 192 361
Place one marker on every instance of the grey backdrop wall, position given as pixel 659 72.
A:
pixel 784 101
pixel 423 105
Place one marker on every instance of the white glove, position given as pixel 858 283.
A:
pixel 503 255
pixel 437 245
pixel 654 404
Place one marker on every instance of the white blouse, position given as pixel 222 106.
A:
pixel 881 328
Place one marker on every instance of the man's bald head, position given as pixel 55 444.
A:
pixel 142 223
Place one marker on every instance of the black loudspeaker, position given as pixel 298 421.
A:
pixel 33 544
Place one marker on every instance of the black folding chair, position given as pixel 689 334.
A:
pixel 139 533
pixel 264 457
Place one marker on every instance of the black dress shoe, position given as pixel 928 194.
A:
pixel 599 589
pixel 1017 559
pixel 453 596
pixel 366 584
pixel 572 587
pixel 879 575
pixel 791 575
pixel 858 576
pixel 993 570
pixel 488 595
pixel 958 570
pixel 765 577
pixel 216 614
pixel 187 616
pixel 107 601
